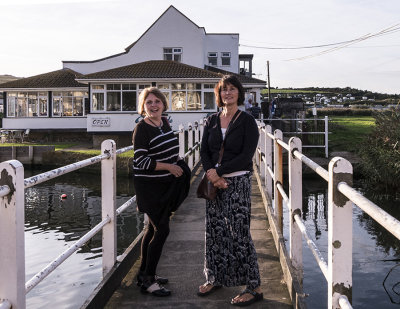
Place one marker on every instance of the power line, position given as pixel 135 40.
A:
pixel 382 32
pixel 386 31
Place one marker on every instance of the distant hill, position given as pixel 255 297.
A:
pixel 7 78
pixel 333 91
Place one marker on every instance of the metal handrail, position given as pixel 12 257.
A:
pixel 34 180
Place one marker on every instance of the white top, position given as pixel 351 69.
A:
pixel 238 173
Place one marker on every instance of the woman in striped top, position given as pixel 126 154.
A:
pixel 161 183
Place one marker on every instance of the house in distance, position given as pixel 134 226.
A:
pixel 99 97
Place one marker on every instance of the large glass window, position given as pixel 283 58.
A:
pixel 68 103
pixel 114 97
pixel 27 104
pixel 209 98
pixel 173 53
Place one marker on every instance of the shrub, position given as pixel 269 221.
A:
pixel 380 152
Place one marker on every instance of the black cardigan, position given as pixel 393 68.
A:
pixel 240 144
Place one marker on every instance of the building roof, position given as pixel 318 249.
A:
pixel 64 78
pixel 153 69
pixel 242 78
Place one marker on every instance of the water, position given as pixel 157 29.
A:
pixel 53 224
pixel 375 253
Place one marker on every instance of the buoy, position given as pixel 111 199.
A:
pixel 63 196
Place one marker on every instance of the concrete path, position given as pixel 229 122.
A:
pixel 183 257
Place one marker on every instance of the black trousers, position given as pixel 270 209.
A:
pixel 156 233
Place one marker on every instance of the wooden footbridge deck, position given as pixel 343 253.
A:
pixel 183 257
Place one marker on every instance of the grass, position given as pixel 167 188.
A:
pixel 346 133
pixel 64 146
pixel 58 146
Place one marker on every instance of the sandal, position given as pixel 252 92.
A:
pixel 213 289
pixel 256 297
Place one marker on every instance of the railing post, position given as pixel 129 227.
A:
pixel 196 142
pixel 258 155
pixel 261 142
pixel 278 173
pixel 190 145
pixel 326 137
pixel 12 239
pixel 108 205
pixel 295 206
pixel 340 233
pixel 181 129
pixel 268 160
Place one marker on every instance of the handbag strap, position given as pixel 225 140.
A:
pixel 221 151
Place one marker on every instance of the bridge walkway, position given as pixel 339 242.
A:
pixel 182 262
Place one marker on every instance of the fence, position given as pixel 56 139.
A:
pixel 313 132
pixel 341 196
pixel 13 288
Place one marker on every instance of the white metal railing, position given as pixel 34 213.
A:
pixel 341 196
pixel 13 288
pixel 313 131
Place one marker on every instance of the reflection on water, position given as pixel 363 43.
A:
pixel 375 252
pixel 52 224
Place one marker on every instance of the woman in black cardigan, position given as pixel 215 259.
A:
pixel 230 255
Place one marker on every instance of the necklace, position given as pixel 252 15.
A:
pixel 159 127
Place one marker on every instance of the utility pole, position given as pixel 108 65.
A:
pixel 269 88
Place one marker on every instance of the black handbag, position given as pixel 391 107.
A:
pixel 206 189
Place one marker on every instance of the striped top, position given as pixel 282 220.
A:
pixel 152 146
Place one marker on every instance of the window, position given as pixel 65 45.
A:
pixel 226 58
pixel 27 104
pixel 209 98
pixel 115 97
pixel 173 53
pixel 68 103
pixel 212 59
pixel 187 96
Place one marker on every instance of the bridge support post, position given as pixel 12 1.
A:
pixel 340 233
pixel 190 145
pixel 278 173
pixel 12 239
pixel 295 207
pixel 108 205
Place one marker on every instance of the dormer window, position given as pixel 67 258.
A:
pixel 212 58
pixel 173 53
pixel 226 58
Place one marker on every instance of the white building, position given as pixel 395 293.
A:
pixel 100 96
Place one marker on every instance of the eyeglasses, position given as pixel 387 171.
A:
pixel 229 90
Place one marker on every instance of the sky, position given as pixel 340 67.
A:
pixel 359 41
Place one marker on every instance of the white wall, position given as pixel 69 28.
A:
pixel 171 30
pixel 223 43
pixel 44 123
pixel 127 122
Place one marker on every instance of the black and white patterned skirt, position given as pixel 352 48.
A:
pixel 230 255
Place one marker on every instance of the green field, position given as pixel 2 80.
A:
pixel 346 133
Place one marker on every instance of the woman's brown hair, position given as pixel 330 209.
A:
pixel 228 80
pixel 143 96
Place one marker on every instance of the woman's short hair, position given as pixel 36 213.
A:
pixel 145 93
pixel 225 81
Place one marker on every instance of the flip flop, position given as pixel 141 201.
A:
pixel 213 289
pixel 256 297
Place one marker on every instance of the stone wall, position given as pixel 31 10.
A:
pixel 25 154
